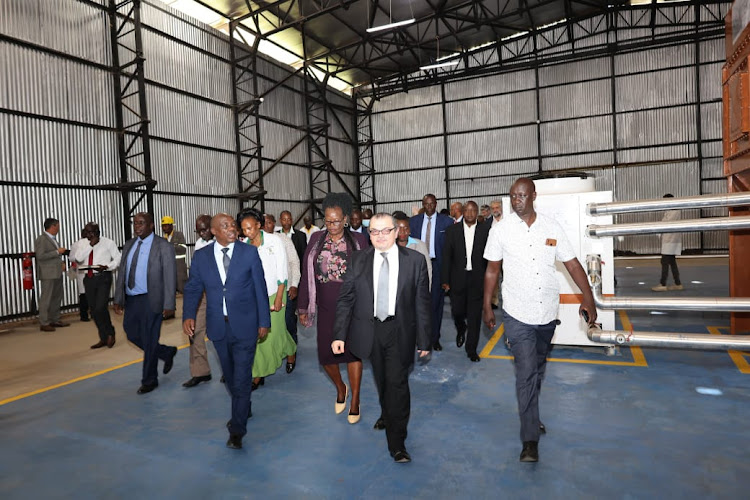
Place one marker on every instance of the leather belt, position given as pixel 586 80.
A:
pixel 226 319
pixel 386 320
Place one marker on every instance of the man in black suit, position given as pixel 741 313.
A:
pixel 383 318
pixel 300 244
pixel 463 275
pixel 146 281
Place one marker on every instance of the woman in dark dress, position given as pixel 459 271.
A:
pixel 324 264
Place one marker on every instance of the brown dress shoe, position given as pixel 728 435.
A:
pixel 110 341
pixel 47 328
pixel 99 344
pixel 60 324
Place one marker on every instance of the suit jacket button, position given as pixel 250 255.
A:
pixel 224 289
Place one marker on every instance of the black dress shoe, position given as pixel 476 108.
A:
pixel 401 457
pixel 196 380
pixel 260 382
pixel 379 424
pixel 530 452
pixel 222 380
pixel 542 428
pixel 111 341
pixel 99 344
pixel 475 358
pixel 85 320
pixel 60 324
pixel 234 442
pixel 460 339
pixel 169 362
pixel 436 346
pixel 290 366
pixel 147 388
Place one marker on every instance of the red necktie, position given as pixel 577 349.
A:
pixel 91 263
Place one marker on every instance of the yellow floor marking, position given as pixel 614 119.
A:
pixel 74 380
pixel 638 357
pixel 737 356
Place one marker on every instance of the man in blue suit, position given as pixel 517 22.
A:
pixel 430 227
pixel 237 312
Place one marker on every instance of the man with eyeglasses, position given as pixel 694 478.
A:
pixel 383 311
pixel 527 244
pixel 430 227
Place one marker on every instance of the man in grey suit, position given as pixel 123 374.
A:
pixel 49 271
pixel 145 286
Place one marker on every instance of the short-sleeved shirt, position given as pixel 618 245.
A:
pixel 531 291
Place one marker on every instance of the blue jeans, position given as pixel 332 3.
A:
pixel 530 345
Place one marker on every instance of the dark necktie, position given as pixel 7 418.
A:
pixel 133 265
pixel 226 260
pixel 382 305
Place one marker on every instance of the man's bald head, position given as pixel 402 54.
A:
pixel 224 229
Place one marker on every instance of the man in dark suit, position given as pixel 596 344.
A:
pixel 463 276
pixel 430 227
pixel 356 226
pixel 145 291
pixel 300 244
pixel 237 312
pixel 383 319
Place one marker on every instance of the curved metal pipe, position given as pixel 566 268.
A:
pixel 722 304
pixel 704 342
pixel 703 201
pixel 678 226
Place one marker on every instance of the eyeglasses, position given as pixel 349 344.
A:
pixel 385 232
pixel 333 222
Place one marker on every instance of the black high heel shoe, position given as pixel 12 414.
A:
pixel 262 381
pixel 291 364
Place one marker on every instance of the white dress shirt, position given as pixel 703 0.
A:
pixel 469 232
pixel 202 243
pixel 495 221
pixel 105 254
pixel 392 254
pixel 531 292
pixel 273 256
pixel 219 257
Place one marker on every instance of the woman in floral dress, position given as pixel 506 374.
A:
pixel 324 264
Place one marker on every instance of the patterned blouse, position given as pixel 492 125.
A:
pixel 332 261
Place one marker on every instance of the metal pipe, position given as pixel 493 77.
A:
pixel 678 226
pixel 704 201
pixel 722 304
pixel 703 342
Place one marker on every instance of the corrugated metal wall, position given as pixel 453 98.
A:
pixel 644 123
pixel 57 127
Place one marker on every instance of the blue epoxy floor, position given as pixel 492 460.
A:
pixel 613 431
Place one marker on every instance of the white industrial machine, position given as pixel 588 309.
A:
pixel 565 200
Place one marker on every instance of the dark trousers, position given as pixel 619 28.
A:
pixel 466 306
pixel 236 357
pixel 291 317
pixel 530 345
pixel 668 261
pixel 83 306
pixel 97 294
pixel 437 299
pixel 392 381
pixel 143 328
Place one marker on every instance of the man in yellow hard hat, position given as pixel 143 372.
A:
pixel 180 249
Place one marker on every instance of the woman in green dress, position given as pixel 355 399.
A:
pixel 278 344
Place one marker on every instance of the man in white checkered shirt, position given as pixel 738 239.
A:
pixel 528 244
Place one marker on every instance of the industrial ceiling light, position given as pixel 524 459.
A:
pixel 391 24
pixel 437 63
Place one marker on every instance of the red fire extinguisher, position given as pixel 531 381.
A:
pixel 28 272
